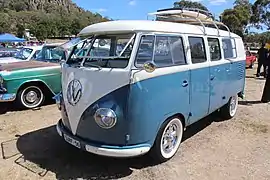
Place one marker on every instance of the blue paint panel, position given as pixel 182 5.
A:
pixel 219 77
pixel 199 95
pixel 236 78
pixel 116 136
pixel 152 101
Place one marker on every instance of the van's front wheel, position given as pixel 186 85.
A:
pixel 228 111
pixel 168 140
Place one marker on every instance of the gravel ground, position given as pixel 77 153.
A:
pixel 212 149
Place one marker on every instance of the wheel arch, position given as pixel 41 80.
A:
pixel 171 116
pixel 38 83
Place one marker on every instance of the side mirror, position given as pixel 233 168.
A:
pixel 149 67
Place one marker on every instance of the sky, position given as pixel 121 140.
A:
pixel 138 9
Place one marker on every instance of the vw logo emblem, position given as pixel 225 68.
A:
pixel 74 92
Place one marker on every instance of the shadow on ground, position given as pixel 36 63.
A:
pixel 43 150
pixel 250 103
pixel 12 106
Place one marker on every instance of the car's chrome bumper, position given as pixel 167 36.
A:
pixel 7 97
pixel 110 151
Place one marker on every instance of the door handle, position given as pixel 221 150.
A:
pixel 185 83
pixel 212 78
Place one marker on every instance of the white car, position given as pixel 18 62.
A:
pixel 25 54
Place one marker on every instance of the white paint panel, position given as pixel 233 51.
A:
pixel 121 26
pixel 95 84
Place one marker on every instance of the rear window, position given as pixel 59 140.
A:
pixel 229 48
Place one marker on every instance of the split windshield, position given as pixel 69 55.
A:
pixel 103 51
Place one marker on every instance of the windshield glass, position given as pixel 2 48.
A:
pixel 24 53
pixel 51 54
pixel 109 51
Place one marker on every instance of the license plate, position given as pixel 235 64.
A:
pixel 72 141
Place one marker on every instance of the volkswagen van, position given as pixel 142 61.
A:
pixel 167 76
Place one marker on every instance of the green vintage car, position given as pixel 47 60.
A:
pixel 29 83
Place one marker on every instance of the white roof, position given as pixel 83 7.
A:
pixel 53 44
pixel 121 26
pixel 33 47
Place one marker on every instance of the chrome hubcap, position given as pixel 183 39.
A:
pixel 233 105
pixel 170 138
pixel 31 96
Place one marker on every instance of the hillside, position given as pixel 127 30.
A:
pixel 44 18
pixel 47 6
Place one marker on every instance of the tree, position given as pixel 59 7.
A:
pixel 237 18
pixel 261 13
pixel 4 23
pixel 190 4
pixel 20 30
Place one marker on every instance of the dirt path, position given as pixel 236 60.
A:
pixel 234 149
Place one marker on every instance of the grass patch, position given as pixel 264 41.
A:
pixel 255 127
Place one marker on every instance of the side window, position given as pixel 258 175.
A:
pixel 229 48
pixel 214 49
pixel 56 54
pixel 168 50
pixel 146 48
pixel 197 49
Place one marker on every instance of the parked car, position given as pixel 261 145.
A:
pixel 25 54
pixel 29 83
pixel 250 59
pixel 7 52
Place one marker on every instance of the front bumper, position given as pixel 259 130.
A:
pixel 7 97
pixel 103 150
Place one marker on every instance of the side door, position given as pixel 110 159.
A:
pixel 199 77
pixel 162 93
pixel 217 74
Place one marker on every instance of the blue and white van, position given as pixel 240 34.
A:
pixel 140 98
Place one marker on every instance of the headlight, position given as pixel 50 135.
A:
pixel 105 118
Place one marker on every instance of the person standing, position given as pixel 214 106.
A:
pixel 266 91
pixel 262 53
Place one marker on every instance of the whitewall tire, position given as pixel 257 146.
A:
pixel 168 140
pixel 30 97
pixel 229 110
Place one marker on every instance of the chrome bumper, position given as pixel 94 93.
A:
pixel 7 97
pixel 110 151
